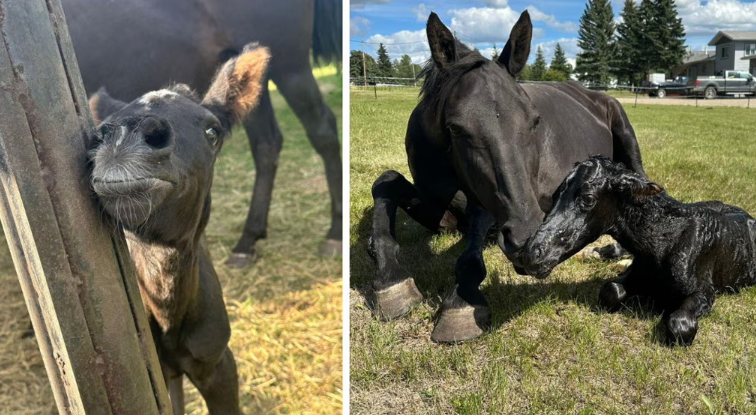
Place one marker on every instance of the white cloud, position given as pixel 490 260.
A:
pixel 358 26
pixel 706 18
pixel 360 4
pixel 551 21
pixel 422 12
pixel 496 3
pixel 412 43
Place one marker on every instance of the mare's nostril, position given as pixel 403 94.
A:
pixel 538 252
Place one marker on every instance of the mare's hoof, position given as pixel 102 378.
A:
pixel 330 248
pixel 396 300
pixel 459 324
pixel 589 253
pixel 461 318
pixel 240 260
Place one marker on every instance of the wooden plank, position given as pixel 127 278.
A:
pixel 75 272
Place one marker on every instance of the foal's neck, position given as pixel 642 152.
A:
pixel 647 227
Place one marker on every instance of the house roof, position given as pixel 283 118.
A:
pixel 698 56
pixel 734 35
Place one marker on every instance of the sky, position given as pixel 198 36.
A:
pixel 400 24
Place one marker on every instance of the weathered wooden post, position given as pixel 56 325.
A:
pixel 76 275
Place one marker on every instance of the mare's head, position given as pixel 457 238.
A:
pixel 586 206
pixel 153 158
pixel 476 108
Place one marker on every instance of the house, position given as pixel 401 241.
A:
pixel 736 50
pixel 697 63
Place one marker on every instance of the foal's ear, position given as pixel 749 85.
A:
pixel 238 85
pixel 442 44
pixel 102 105
pixel 516 52
pixel 639 187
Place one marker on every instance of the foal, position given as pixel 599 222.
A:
pixel 152 171
pixel 684 253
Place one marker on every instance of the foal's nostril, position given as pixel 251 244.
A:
pixel 156 132
pixel 537 252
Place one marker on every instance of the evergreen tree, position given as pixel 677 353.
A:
pixel 525 74
pixel 559 62
pixel 597 61
pixel 649 44
pixel 495 54
pixel 355 65
pixel 385 68
pixel 630 44
pixel 671 36
pixel 538 70
pixel 404 67
pixel 552 75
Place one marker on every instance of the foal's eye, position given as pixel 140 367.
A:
pixel 212 135
pixel 587 201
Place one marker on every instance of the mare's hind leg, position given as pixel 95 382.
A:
pixel 217 383
pixel 265 141
pixel 464 313
pixel 303 96
pixel 395 291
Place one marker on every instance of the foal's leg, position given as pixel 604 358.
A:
pixel 303 96
pixel 629 284
pixel 265 141
pixel 682 324
pixel 464 313
pixel 395 291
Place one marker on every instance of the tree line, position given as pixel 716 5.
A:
pixel 383 67
pixel 650 38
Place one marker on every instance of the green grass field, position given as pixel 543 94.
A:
pixel 550 350
pixel 285 310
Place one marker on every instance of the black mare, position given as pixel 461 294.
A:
pixel 480 143
pixel 131 47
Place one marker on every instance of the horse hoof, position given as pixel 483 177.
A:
pixel 456 325
pixel 396 300
pixel 624 264
pixel 589 253
pixel 240 260
pixel 330 248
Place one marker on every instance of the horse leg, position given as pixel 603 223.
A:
pixel 626 149
pixel 629 284
pixel 175 383
pixel 682 324
pixel 218 383
pixel 395 291
pixel 303 96
pixel 265 141
pixel 464 313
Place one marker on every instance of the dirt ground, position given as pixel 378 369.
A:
pixel 703 103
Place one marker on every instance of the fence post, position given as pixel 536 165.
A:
pixel 75 272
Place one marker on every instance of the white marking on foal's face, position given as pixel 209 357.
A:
pixel 153 96
pixel 124 130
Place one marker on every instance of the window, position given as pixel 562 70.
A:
pixel 725 53
pixel 750 49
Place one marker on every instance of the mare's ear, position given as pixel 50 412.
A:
pixel 442 44
pixel 238 85
pixel 102 105
pixel 637 186
pixel 516 52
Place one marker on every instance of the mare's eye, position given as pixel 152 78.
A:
pixel 587 201
pixel 455 130
pixel 212 135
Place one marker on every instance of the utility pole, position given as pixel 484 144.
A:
pixel 364 67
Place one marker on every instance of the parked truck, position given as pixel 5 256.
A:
pixel 732 83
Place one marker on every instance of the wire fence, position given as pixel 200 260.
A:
pixel 665 95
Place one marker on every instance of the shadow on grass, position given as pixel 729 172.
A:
pixel 508 299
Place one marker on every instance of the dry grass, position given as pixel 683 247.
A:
pixel 285 310
pixel 551 350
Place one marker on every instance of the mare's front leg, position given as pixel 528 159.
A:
pixel 464 313
pixel 682 324
pixel 395 291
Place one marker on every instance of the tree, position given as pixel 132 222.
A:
pixel 671 35
pixel 525 74
pixel 597 61
pixel 559 62
pixel 538 69
pixel 385 68
pixel 631 49
pixel 552 75
pixel 355 64
pixel 495 54
pixel 404 67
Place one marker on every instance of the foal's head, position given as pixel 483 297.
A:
pixel 153 159
pixel 586 206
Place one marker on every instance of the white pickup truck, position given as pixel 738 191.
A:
pixel 732 83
